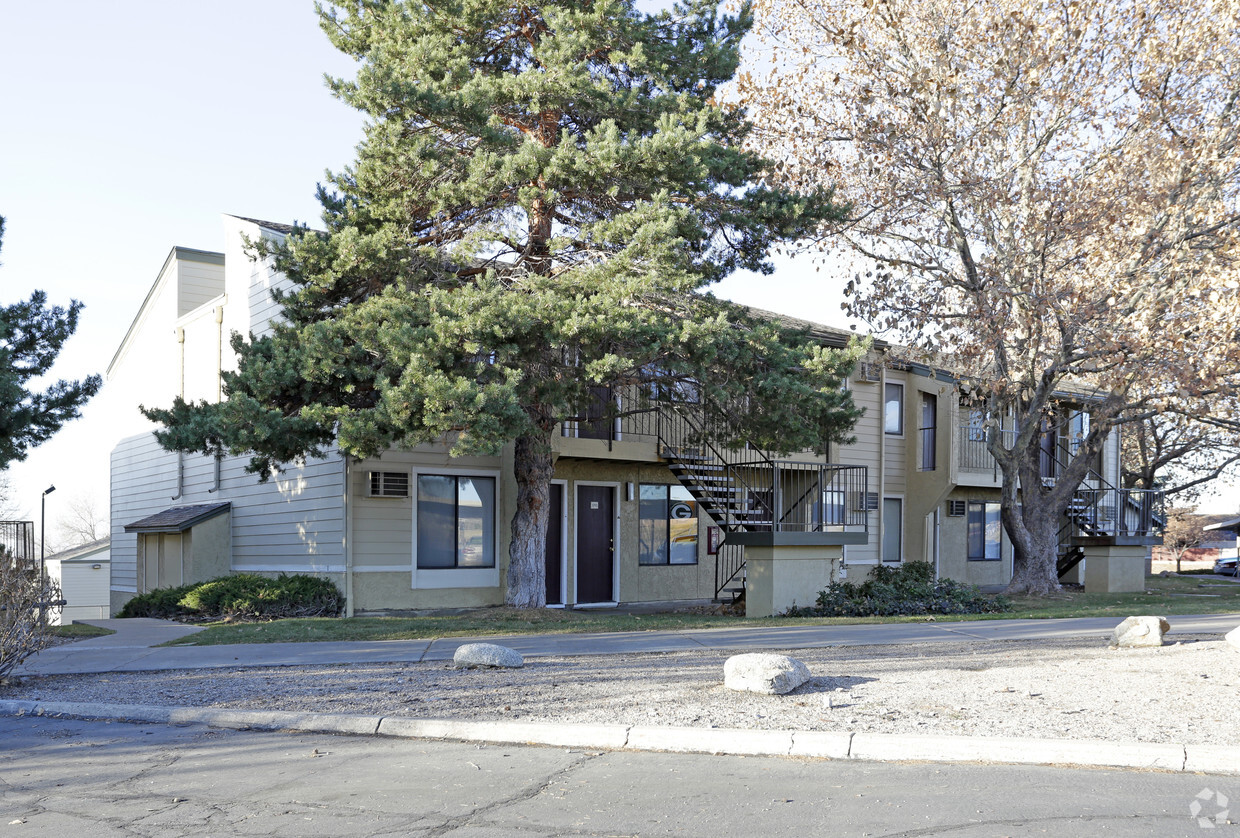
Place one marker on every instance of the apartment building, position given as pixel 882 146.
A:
pixel 644 508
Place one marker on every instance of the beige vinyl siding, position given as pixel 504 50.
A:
pixel 292 523
pixel 143 483
pixel 382 529
pixel 263 309
pixel 865 451
pixel 197 282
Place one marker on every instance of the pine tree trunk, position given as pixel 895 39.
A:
pixel 527 572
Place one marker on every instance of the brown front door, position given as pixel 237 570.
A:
pixel 555 539
pixel 595 550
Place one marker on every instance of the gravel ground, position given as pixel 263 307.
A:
pixel 1187 692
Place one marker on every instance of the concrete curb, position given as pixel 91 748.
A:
pixel 1209 759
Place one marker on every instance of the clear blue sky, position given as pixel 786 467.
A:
pixel 128 128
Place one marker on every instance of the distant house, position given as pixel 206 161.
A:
pixel 1219 541
pixel 641 511
pixel 1224 538
pixel 83 574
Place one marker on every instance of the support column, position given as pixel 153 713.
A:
pixel 1115 569
pixel 779 576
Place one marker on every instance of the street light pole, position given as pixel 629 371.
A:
pixel 43 554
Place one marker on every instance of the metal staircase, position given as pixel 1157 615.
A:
pixel 745 490
pixel 1098 510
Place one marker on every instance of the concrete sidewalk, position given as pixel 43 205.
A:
pixel 130 649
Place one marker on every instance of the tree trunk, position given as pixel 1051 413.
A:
pixel 532 466
pixel 1035 547
pixel 1031 518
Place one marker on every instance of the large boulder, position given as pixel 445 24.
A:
pixel 1233 637
pixel 764 673
pixel 1141 631
pixel 472 655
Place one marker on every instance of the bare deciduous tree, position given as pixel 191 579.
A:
pixel 1046 192
pixel 1179 454
pixel 1185 530
pixel 81 522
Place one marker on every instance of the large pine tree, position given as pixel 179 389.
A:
pixel 542 197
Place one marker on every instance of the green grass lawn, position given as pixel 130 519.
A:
pixel 1163 596
pixel 80 631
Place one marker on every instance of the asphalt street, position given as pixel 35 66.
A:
pixel 99 779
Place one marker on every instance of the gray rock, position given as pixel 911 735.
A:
pixel 1141 631
pixel 765 673
pixel 1233 637
pixel 473 655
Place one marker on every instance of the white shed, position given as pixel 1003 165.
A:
pixel 83 574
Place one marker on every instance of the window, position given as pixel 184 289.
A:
pixel 929 430
pixel 893 524
pixel 1078 430
pixel 893 409
pixel 388 484
pixel 455 521
pixel 663 386
pixel 977 425
pixel 985 531
pixel 667 527
pixel 831 510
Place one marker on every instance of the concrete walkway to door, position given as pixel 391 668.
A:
pixel 132 648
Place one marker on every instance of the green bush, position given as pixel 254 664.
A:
pixel 244 597
pixel 161 603
pixel 905 590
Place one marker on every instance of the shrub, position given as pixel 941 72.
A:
pixel 244 597
pixel 161 604
pixel 905 590
pixel 29 602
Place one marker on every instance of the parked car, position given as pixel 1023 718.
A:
pixel 1226 566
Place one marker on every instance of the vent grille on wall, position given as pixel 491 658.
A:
pixel 389 484
pixel 956 508
pixel 869 372
pixel 865 501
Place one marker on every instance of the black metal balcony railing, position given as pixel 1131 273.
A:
pixel 745 489
pixel 17 542
pixel 1117 513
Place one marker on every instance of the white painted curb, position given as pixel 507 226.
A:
pixel 885 746
pixel 610 737
pixel 710 740
pixel 1211 759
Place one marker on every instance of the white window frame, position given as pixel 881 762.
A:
pixel 882 545
pixel 899 413
pixel 968 547
pixel 456 577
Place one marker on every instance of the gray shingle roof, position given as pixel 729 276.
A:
pixel 270 225
pixel 80 550
pixel 178 518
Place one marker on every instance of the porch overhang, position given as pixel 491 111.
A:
pixel 178 518
pixel 796 539
pixel 1116 540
